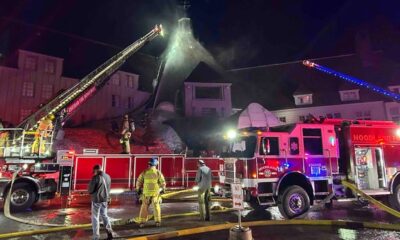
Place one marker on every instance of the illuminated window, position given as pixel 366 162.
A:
pixel 130 81
pixel 47 91
pixel 350 95
pixel 31 63
pixel 27 89
pixel 115 101
pixel 50 66
pixel 303 99
pixel 115 79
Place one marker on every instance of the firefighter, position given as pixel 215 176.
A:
pixel 203 180
pixel 150 186
pixel 126 146
pixel 41 135
pixel 125 125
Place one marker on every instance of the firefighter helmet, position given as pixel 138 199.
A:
pixel 50 116
pixel 153 161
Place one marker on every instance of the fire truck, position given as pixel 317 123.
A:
pixel 293 165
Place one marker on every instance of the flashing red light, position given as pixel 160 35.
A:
pixel 254 175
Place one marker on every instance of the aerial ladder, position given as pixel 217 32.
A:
pixel 20 142
pixel 353 80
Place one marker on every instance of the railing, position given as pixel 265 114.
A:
pixel 18 143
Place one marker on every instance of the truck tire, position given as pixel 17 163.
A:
pixel 293 202
pixel 23 196
pixel 394 199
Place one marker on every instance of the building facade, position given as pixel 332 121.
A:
pixel 207 93
pixel 37 78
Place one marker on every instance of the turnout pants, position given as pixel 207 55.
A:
pixel 144 209
pixel 100 210
pixel 204 204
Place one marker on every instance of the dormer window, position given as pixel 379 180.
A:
pixel 395 89
pixel 350 95
pixel 304 99
pixel 31 63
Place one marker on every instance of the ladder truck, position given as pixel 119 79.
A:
pixel 28 148
pixel 290 166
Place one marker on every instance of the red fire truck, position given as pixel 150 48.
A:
pixel 293 165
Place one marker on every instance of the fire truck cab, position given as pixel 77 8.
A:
pixel 289 165
pixel 293 165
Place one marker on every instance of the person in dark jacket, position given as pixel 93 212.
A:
pixel 203 180
pixel 99 190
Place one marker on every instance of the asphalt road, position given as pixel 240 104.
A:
pixel 124 207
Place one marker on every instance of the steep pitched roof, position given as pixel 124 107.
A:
pixel 205 73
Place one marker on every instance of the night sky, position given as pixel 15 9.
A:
pixel 238 33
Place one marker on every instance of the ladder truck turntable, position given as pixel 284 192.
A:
pixel 292 165
pixel 39 172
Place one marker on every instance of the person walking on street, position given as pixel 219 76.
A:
pixel 99 190
pixel 203 180
pixel 150 186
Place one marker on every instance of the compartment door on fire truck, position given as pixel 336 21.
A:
pixel 370 168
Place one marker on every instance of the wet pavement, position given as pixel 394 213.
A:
pixel 124 207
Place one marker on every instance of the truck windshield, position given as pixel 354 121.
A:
pixel 243 147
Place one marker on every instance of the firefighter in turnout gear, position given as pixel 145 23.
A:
pixel 150 186
pixel 42 134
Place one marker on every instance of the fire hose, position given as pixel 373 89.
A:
pixel 371 199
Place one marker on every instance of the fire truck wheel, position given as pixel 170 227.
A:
pixel 22 197
pixel 394 199
pixel 293 202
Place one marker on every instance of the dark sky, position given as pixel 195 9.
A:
pixel 239 33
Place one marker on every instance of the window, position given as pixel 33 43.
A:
pixel 294 146
pixel 282 119
pixel 302 118
pixel 27 89
pixel 210 112
pixel 269 146
pixel 349 95
pixel 312 138
pixel 329 115
pixel 24 113
pixel 115 100
pixel 363 115
pixel 129 102
pixel 31 63
pixel 130 81
pixel 303 99
pixel 47 91
pixel 208 93
pixel 50 66
pixel 115 79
